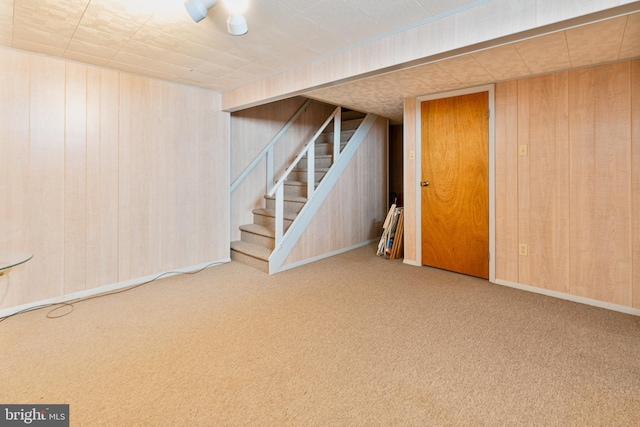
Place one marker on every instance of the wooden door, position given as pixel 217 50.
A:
pixel 455 202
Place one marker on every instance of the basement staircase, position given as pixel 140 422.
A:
pixel 258 240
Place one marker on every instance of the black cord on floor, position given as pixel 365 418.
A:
pixel 70 304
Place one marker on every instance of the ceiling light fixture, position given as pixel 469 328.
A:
pixel 198 8
pixel 236 23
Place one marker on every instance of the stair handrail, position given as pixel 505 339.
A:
pixel 311 143
pixel 268 149
pixel 278 188
pixel 304 217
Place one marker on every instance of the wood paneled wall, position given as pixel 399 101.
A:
pixel 411 208
pixel 574 198
pixel 106 177
pixel 355 210
pixel 251 131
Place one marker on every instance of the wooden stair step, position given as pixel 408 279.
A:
pixel 258 235
pixel 296 199
pixel 258 229
pixel 272 213
pixel 252 255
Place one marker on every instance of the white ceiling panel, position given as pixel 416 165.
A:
pixel 157 38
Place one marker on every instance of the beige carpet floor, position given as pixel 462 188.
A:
pixel 353 340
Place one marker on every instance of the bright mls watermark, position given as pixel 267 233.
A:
pixel 34 415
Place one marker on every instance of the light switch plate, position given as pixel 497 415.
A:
pixel 523 249
pixel 523 150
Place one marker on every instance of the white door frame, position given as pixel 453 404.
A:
pixel 490 88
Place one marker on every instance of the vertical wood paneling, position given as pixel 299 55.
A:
pixel 635 176
pixel 213 183
pixel 549 182
pixel 578 186
pixel 179 180
pixel 108 190
pixel 524 264
pixel 141 192
pixel 102 177
pixel 600 182
pixel 507 181
pixel 96 188
pixel 410 180
pixel 14 173
pixel 75 179
pixel 46 177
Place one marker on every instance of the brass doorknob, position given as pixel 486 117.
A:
pixel 425 183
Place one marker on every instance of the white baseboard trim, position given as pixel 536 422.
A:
pixel 412 262
pixel 569 297
pixel 107 288
pixel 323 256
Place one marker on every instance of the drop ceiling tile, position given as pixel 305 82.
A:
pixel 502 62
pixel 434 76
pixel 172 19
pixel 86 58
pixel 369 7
pixel 399 15
pixel 263 16
pixel 249 53
pixel 149 67
pixel 38 36
pixel 54 16
pixel 300 29
pixel 268 41
pixel 360 31
pixel 199 51
pixel 109 16
pixel 37 47
pixel 631 41
pixel 439 7
pixel 256 69
pixel 82 48
pixel 298 54
pixel 466 70
pixel 594 43
pixel 332 15
pixel 326 44
pixel 231 61
pixel 545 53
pixel 136 49
pixel 212 69
pixel 96 37
pixel 152 37
pixel 6 21
pixel 213 40
pixel 182 60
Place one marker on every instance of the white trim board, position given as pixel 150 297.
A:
pixel 569 297
pixel 327 255
pixel 107 288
